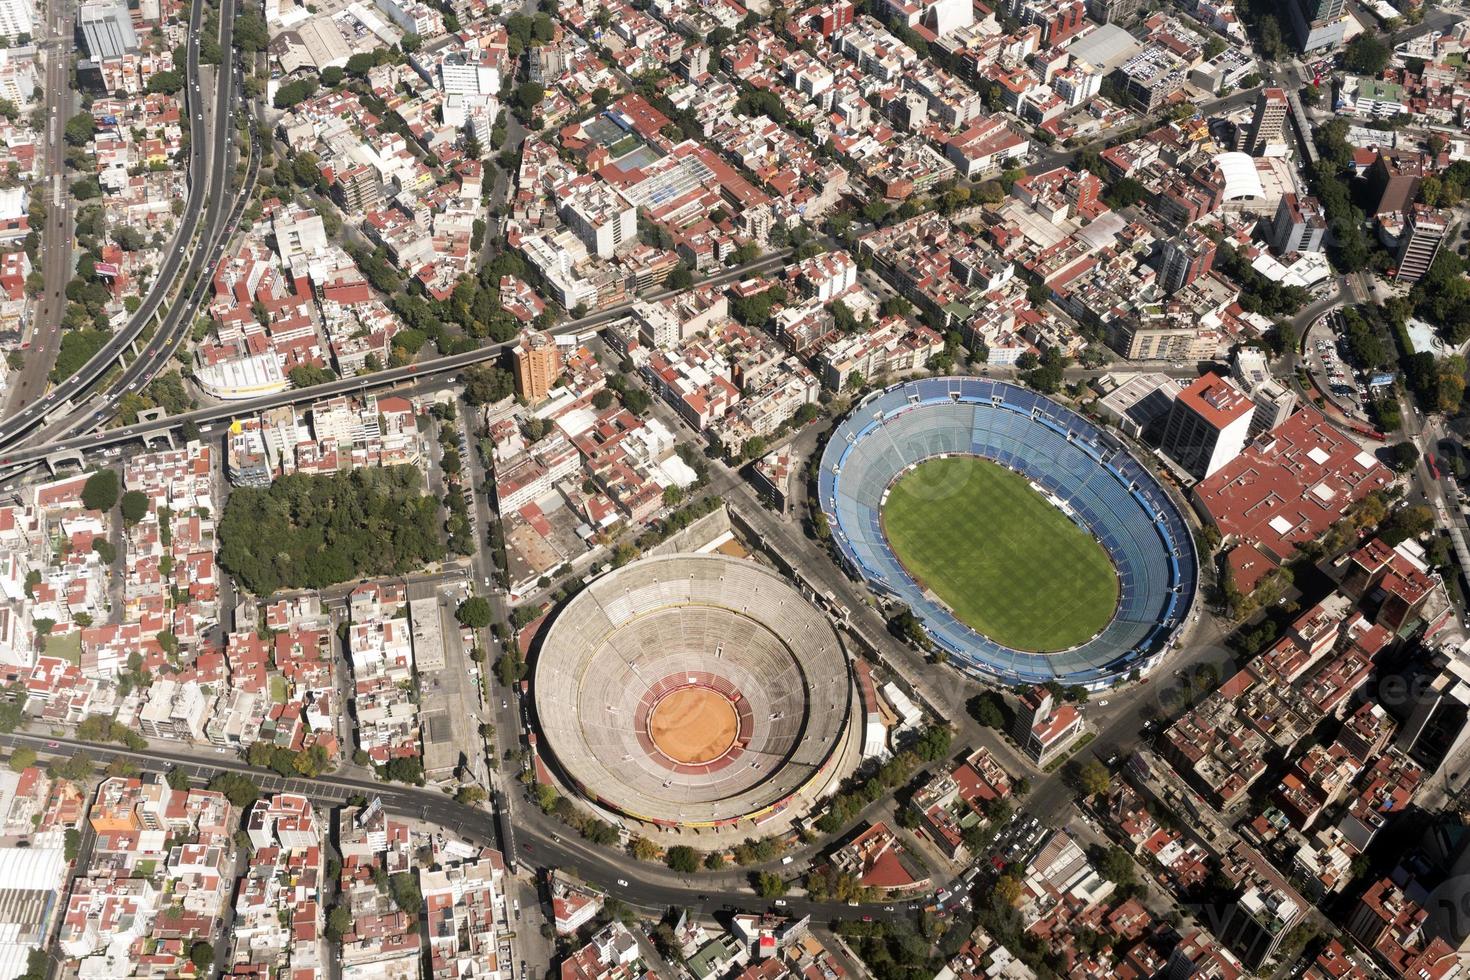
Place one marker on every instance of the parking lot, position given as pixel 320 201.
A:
pixel 1347 387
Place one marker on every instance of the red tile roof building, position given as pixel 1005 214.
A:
pixel 1290 485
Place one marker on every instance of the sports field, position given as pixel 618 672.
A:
pixel 1008 563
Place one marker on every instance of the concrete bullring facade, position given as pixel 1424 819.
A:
pixel 695 691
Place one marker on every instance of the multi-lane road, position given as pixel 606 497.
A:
pixel 18 460
pixel 544 842
pixel 186 256
pixel 222 215
pixel 44 337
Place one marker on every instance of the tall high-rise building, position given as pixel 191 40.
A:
pixel 1267 125
pixel 1208 425
pixel 107 29
pixel 1318 23
pixel 1184 258
pixel 538 362
pixel 1424 232
pixel 1299 225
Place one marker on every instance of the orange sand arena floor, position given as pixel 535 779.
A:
pixel 693 725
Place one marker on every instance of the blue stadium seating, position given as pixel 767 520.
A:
pixel 1113 495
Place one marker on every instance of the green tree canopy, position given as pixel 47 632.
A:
pixel 100 491
pixel 474 612
pixel 134 506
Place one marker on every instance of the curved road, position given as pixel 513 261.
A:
pixel 19 459
pixel 175 325
pixel 182 260
pixel 649 886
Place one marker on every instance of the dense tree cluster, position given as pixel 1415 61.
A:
pixel 297 91
pixel 1259 294
pixel 1348 245
pixel 99 728
pixel 309 531
pixel 1442 296
pixel 1438 383
pixel 931 746
pixel 240 790
pixel 1365 347
pixel 827 884
pixel 77 348
pixel 890 950
pixel 756 310
pixel 1044 373
pixel 310 762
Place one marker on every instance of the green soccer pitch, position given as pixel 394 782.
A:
pixel 1009 564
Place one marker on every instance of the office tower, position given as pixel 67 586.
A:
pixel 537 363
pixel 1268 123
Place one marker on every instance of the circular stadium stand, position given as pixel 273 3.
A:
pixel 1111 494
pixel 729 627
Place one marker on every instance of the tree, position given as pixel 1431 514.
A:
pixel 240 790
pixel 100 491
pixel 1090 778
pixel 475 612
pixel 768 884
pixel 714 861
pixel 643 849
pixel 528 97
pixel 470 795
pixel 1007 890
pixel 80 129
pixel 201 954
pixel 404 887
pixel 1366 54
pixel 988 712
pixel 134 506
pixel 178 779
pixel 339 922
pixel 71 843
pixel 682 858
pixel 22 758
pixel 1404 456
pixel 1115 864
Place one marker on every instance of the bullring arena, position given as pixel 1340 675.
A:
pixel 696 691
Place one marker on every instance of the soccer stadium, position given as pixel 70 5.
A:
pixel 1028 542
pixel 695 691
